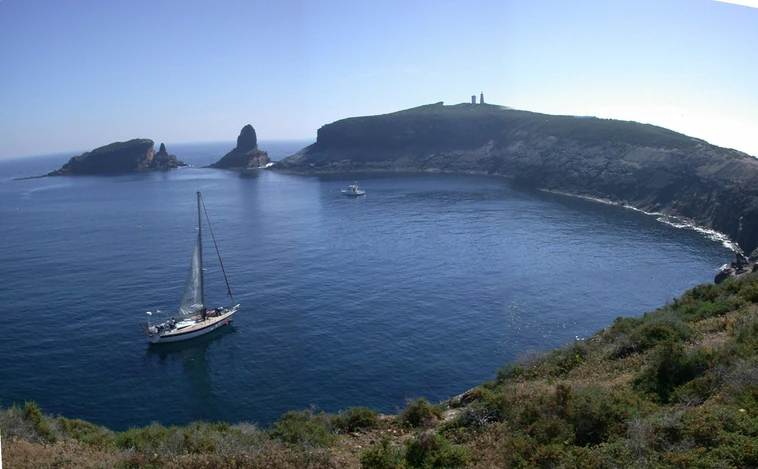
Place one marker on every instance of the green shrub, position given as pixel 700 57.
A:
pixel 382 456
pixel 750 293
pixel 33 414
pixel 599 415
pixel 13 423
pixel 86 432
pixel 709 309
pixel 653 330
pixel 419 413
pixel 142 439
pixel 671 367
pixel 304 428
pixel 704 292
pixel 744 334
pixel 430 450
pixel 355 418
pixel 202 437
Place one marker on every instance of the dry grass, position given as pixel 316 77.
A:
pixel 23 454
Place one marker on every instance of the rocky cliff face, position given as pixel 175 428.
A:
pixel 246 154
pixel 647 167
pixel 120 157
pixel 162 160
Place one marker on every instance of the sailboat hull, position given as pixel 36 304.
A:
pixel 200 327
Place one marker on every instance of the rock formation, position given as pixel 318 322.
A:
pixel 246 154
pixel 162 160
pixel 741 266
pixel 643 166
pixel 120 157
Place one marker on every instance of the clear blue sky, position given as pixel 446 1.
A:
pixel 75 75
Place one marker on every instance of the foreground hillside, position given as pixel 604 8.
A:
pixel 676 388
pixel 644 166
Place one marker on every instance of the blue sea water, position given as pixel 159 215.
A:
pixel 424 287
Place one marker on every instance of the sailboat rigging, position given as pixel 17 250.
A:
pixel 194 318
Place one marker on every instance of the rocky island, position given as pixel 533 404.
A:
pixel 120 157
pixel 246 154
pixel 643 166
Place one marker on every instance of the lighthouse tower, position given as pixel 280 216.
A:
pixel 481 98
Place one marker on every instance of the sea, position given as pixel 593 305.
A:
pixel 424 287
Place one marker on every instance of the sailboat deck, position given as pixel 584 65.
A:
pixel 201 324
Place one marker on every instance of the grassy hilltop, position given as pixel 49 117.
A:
pixel 675 388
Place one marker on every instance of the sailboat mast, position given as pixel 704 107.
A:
pixel 218 253
pixel 200 250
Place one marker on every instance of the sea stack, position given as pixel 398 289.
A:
pixel 120 157
pixel 246 154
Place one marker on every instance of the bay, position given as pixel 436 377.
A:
pixel 424 287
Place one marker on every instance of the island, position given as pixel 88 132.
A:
pixel 246 154
pixel 650 168
pixel 120 157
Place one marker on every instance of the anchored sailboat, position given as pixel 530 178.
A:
pixel 193 318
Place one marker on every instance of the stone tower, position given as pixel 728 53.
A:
pixel 473 99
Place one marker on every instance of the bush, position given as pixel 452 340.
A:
pixel 433 450
pixel 419 413
pixel 671 366
pixel 355 418
pixel 86 432
pixel 142 439
pixel 13 423
pixel 654 329
pixel 750 293
pixel 382 456
pixel 304 428
pixel 33 414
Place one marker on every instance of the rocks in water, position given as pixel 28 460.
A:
pixel 246 154
pixel 742 265
pixel 162 160
pixel 120 157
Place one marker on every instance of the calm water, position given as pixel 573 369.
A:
pixel 422 288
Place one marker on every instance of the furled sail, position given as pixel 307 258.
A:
pixel 192 300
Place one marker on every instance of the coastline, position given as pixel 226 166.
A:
pixel 671 220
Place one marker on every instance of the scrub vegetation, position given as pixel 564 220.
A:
pixel 677 387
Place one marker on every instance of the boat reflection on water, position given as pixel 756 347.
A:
pixel 196 362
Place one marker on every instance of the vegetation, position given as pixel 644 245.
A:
pixel 676 388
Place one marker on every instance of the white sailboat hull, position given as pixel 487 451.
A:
pixel 200 327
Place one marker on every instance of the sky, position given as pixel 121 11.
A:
pixel 80 74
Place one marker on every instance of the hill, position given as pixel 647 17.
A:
pixel 676 388
pixel 647 167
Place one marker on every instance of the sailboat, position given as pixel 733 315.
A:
pixel 193 319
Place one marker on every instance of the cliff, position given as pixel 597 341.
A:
pixel 120 157
pixel 644 166
pixel 246 154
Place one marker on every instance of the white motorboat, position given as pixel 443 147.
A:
pixel 353 191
